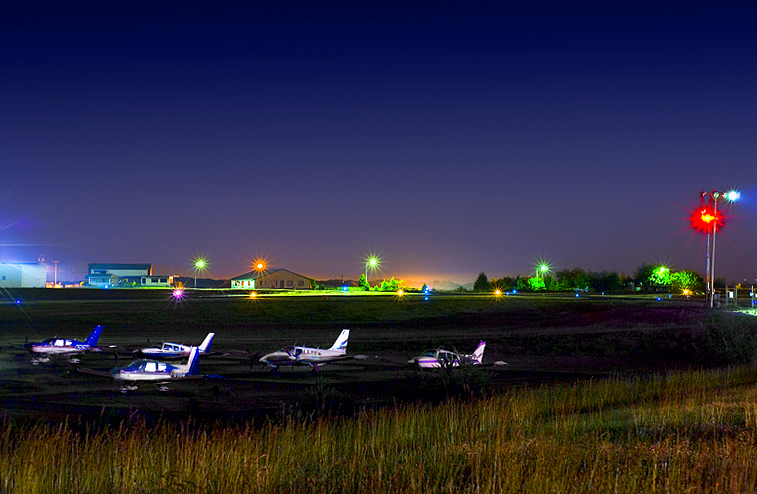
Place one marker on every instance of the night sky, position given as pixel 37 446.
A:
pixel 445 138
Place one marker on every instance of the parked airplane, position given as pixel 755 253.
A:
pixel 313 357
pixel 430 359
pixel 172 350
pixel 155 370
pixel 64 346
pixel 152 370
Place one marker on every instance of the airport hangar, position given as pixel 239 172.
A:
pixel 274 278
pixel 23 275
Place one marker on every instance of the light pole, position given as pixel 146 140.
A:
pixel 713 220
pixel 373 263
pixel 199 264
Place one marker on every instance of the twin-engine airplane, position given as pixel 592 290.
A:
pixel 313 357
pixel 173 350
pixel 431 359
pixel 64 346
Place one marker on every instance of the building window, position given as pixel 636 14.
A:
pixel 300 283
pixel 290 283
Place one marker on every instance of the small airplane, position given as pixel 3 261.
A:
pixel 152 370
pixel 155 370
pixel 172 350
pixel 431 359
pixel 64 346
pixel 313 357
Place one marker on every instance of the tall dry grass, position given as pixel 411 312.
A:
pixel 683 432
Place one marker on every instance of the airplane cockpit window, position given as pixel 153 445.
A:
pixel 161 367
pixel 60 342
pixel 151 367
pixel 429 353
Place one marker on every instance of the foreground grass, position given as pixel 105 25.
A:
pixel 684 432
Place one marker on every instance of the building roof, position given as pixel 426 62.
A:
pixel 119 266
pixel 254 275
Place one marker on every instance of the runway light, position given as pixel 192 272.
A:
pixel 659 299
pixel 400 293
pixel 497 293
pixel 178 293
pixel 253 294
pixel 577 295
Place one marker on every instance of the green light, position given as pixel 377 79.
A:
pixel 543 268
pixel 200 264
pixel 373 262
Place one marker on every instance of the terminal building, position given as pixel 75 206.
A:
pixel 125 275
pixel 274 278
pixel 23 275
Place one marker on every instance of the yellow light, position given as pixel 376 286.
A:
pixel 687 292
pixel 400 293
pixel 497 293
pixel 253 294
pixel 259 264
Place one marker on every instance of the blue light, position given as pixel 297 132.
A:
pixel 515 291
pixel 658 299
pixel 577 295
pixel 425 298
pixel 18 302
pixel 344 288
pixel 670 296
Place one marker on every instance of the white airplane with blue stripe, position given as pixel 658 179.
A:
pixel 65 346
pixel 308 356
pixel 175 350
pixel 154 370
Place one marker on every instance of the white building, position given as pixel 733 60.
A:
pixel 274 278
pixel 23 275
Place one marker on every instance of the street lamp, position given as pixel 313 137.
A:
pixel 372 262
pixel 542 269
pixel 199 264
pixel 713 222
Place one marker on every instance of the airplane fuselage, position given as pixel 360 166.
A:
pixel 301 356
pixel 149 370
pixel 60 346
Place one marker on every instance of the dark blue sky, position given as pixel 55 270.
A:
pixel 446 139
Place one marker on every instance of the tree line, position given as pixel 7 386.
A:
pixel 683 281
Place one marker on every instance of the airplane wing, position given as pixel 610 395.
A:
pixel 342 358
pixel 97 373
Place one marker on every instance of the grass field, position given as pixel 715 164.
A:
pixel 684 432
pixel 602 394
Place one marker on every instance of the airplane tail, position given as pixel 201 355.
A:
pixel 193 365
pixel 94 336
pixel 478 353
pixel 205 345
pixel 341 342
